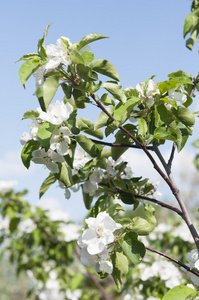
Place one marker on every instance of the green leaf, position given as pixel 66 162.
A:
pixel 142 127
pixel 41 43
pixel 28 68
pixel 92 37
pixel 65 175
pixel 30 114
pixel 103 119
pixel 76 281
pixel 86 73
pixel 180 292
pixel 106 100
pixel 114 209
pixel 37 236
pixel 46 184
pixel 105 67
pixel 76 56
pixel 87 145
pixel 144 221
pixel 123 111
pixel 28 56
pixel 46 91
pixel 87 57
pixel 87 126
pixel 161 114
pixel 26 153
pixel 163 133
pixel 179 73
pixel 173 83
pixel 13 224
pixel 114 89
pixel 132 248
pixel 120 267
pixel 44 134
pixel 121 137
pixel 184 115
pixel 87 199
pixel 191 21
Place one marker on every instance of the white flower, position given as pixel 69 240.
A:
pixel 178 97
pixel 26 226
pixel 100 233
pixel 32 135
pixel 4 223
pixel 49 158
pixel 147 91
pixel 182 232
pixel 81 157
pixel 39 76
pixel 57 112
pixel 6 186
pixel 60 140
pixel 70 231
pixel 90 187
pixel 97 262
pixel 75 295
pixel 192 256
pixel 58 54
pixel 166 270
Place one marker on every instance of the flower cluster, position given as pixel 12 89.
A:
pixel 91 185
pixel 57 55
pixel 57 114
pixel 163 269
pixel 95 240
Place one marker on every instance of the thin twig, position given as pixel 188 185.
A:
pixel 118 144
pixel 174 260
pixel 171 156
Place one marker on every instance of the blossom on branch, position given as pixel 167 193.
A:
pixel 94 240
pixel 57 112
pixel 147 91
pixel 60 140
pixel 49 158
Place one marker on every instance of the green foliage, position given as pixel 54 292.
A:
pixel 180 292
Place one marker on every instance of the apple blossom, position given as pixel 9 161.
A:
pixel 147 91
pixel 99 233
pixel 75 295
pixel 33 133
pixel 60 140
pixel 180 98
pixel 49 158
pixel 98 262
pixel 57 112
pixel 70 231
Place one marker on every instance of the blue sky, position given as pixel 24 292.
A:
pixel 146 38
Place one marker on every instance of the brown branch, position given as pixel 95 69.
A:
pixel 175 209
pixel 169 180
pixel 174 260
pixel 118 144
pixel 119 191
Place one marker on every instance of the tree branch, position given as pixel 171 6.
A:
pixel 174 260
pixel 118 144
pixel 169 180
